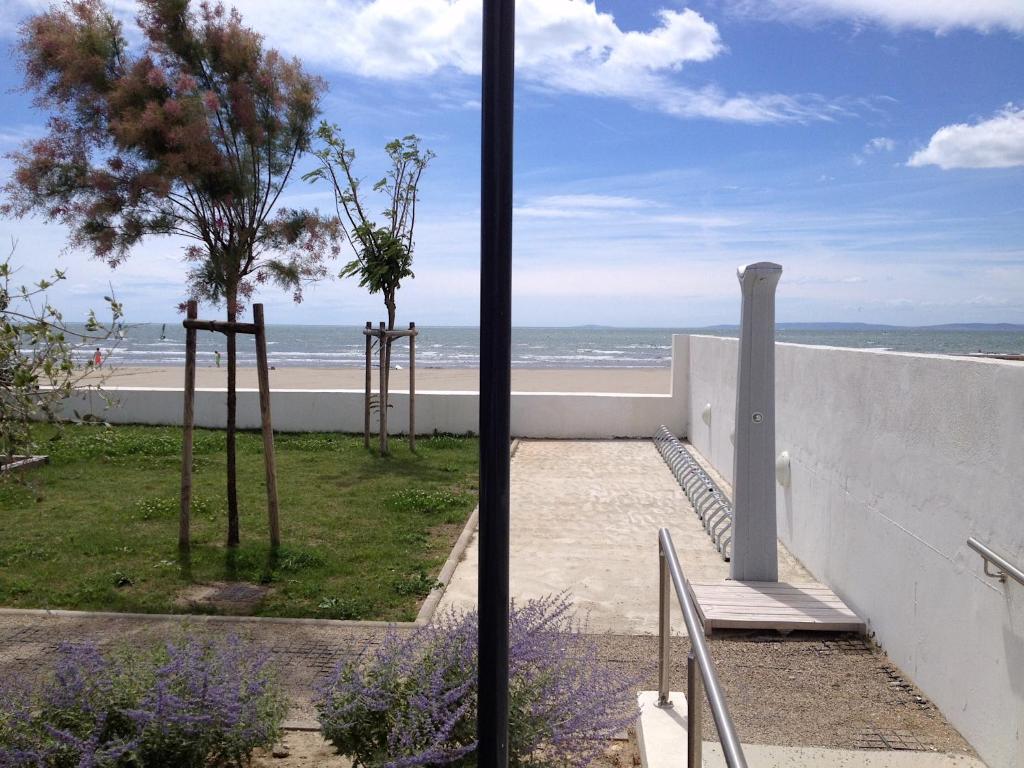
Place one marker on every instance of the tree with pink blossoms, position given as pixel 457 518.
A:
pixel 195 134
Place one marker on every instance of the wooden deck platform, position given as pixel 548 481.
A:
pixel 772 605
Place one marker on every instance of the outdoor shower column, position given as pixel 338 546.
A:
pixel 754 554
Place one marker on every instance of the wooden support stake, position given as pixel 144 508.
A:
pixel 412 386
pixel 382 399
pixel 366 396
pixel 269 458
pixel 187 419
pixel 234 536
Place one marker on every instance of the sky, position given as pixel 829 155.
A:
pixel 874 148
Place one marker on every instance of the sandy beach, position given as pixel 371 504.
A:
pixel 631 380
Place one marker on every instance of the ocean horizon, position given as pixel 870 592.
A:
pixel 342 346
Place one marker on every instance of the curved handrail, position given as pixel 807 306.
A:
pixel 1006 568
pixel 699 662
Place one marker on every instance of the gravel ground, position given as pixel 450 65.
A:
pixel 803 690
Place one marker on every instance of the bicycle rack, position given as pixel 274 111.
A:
pixel 710 504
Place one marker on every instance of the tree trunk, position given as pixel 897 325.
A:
pixel 233 535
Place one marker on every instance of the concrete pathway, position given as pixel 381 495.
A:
pixel 585 517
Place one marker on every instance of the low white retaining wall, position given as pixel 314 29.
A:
pixel 534 414
pixel 896 460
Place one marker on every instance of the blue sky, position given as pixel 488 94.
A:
pixel 874 148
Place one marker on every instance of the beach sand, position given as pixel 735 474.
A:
pixel 631 380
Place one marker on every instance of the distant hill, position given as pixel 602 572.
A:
pixel 951 327
pixel 1011 327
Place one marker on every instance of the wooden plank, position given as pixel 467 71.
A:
pixel 742 592
pixel 771 605
pixel 760 586
pixel 759 595
pixel 22 463
pixel 716 612
pixel 766 615
pixel 782 625
pixel 719 610
pixel 389 334
pixel 219 326
pixel 794 602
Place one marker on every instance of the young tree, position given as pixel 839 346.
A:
pixel 38 366
pixel 383 252
pixel 194 135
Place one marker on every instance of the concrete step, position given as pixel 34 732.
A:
pixel 661 731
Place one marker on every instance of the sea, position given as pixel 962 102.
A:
pixel 332 346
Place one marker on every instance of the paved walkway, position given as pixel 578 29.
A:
pixel 584 518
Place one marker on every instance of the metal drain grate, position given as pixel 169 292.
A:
pixel 876 738
pixel 903 691
pixel 851 647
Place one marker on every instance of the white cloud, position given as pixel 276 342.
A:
pixel 934 15
pixel 583 206
pixel 994 143
pixel 621 210
pixel 562 45
pixel 879 144
pixel 876 146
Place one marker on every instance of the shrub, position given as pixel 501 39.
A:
pixel 39 358
pixel 190 704
pixel 412 702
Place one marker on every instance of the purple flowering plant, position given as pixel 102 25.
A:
pixel 191 703
pixel 412 701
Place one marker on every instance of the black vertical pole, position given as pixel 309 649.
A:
pixel 495 377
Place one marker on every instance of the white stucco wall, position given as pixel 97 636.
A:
pixel 896 460
pixel 534 414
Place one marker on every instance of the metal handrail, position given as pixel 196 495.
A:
pixel 1006 568
pixel 700 668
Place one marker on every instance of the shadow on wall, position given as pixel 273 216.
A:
pixel 1013 640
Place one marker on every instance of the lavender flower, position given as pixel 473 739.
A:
pixel 412 701
pixel 194 703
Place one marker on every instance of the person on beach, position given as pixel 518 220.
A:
pixel 216 357
pixel 97 359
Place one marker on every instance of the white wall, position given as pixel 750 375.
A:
pixel 534 414
pixel 896 460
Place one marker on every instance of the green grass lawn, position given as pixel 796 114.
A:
pixel 363 537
